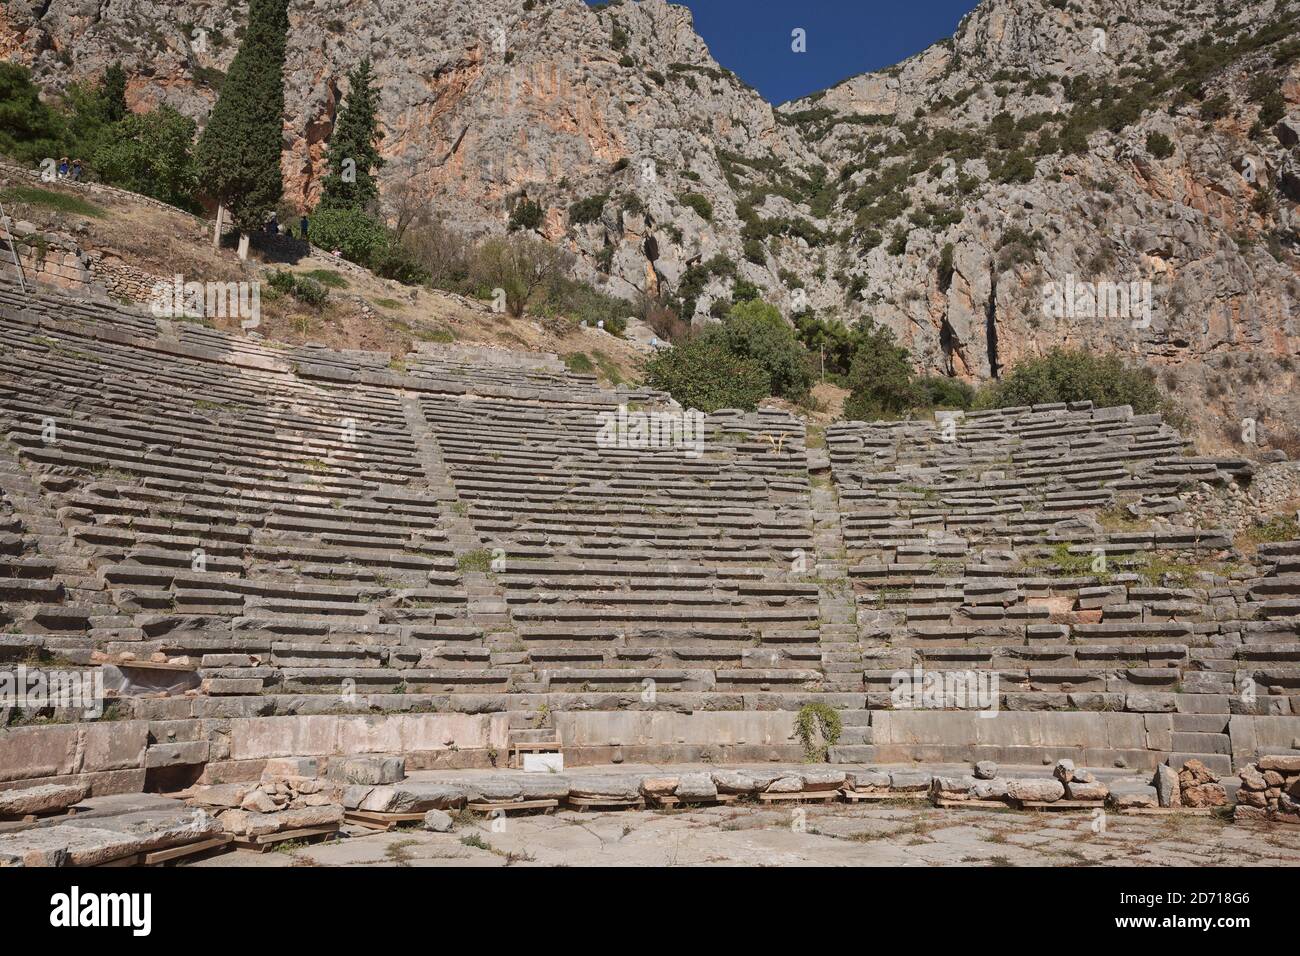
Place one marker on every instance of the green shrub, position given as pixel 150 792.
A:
pixel 706 375
pixel 587 210
pixel 880 378
pixel 301 286
pixel 356 235
pixel 755 330
pixel 1159 145
pixel 525 215
pixel 699 203
pixel 818 719
pixel 1066 376
pixel 942 392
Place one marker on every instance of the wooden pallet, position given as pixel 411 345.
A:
pixel 1060 804
pixel 374 820
pixel 803 796
pixel 857 796
pixel 606 803
pixel 159 857
pixel 487 806
pixel 266 841
pixel 1166 811
pixel 675 801
pixel 946 803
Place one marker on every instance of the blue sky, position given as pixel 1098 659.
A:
pixel 845 37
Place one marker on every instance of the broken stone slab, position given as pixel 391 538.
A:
pixel 1036 790
pixel 220 795
pixel 735 781
pixel 367 770
pixel 1281 763
pixel 696 786
pixel 1168 790
pixel 439 821
pixel 1086 790
pixel 989 790
pixel 870 781
pixel 494 790
pixel 547 786
pixel 659 786
pixel 611 787
pixel 790 784
pixel 289 768
pixel 822 779
pixel 1133 794
pixel 352 797
pixel 48 798
pixel 104 839
pixel 953 788
pixel 1064 770
pixel 252 823
pixel 910 780
pixel 985 770
pixel 414 798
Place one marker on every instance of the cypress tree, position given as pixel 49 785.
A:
pixel 112 93
pixel 353 155
pixel 239 153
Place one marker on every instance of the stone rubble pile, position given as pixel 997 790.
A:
pixel 290 796
pixel 1270 790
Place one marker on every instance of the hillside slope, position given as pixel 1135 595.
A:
pixel 1048 143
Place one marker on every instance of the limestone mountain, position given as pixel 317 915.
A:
pixel 1149 146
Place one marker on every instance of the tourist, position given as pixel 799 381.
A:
pixel 76 170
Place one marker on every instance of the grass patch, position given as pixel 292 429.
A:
pixel 328 278
pixel 579 363
pixel 60 202
pixel 477 560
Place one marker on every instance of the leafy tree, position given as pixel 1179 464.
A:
pixel 755 330
pixel 880 378
pixel 353 155
pixel 1067 376
pixel 704 374
pixel 239 152
pixel 357 235
pixel 150 153
pixel 29 130
pixel 527 270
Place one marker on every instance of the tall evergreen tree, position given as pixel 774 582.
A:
pixel 353 156
pixel 239 153
pixel 112 93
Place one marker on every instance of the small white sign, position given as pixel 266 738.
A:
pixel 543 763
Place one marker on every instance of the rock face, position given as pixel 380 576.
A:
pixel 955 196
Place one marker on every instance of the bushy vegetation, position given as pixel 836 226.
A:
pixel 1070 376
pixel 704 374
pixel 304 288
pixel 756 331
pixel 149 153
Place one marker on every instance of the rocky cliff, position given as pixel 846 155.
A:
pixel 980 197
